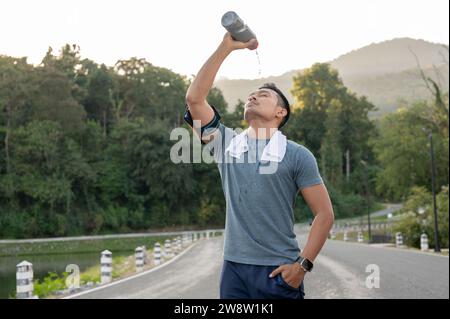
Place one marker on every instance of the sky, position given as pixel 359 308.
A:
pixel 181 35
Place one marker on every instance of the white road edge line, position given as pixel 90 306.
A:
pixel 414 251
pixel 131 277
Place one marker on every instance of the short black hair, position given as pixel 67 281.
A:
pixel 282 100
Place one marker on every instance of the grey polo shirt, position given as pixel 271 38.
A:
pixel 259 226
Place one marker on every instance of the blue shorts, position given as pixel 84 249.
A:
pixel 242 281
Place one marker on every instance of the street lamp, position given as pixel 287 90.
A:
pixel 367 199
pixel 437 246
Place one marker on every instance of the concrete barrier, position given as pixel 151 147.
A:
pixel 398 239
pixel 179 244
pixel 24 280
pixel 168 249
pixel 360 237
pixel 145 254
pixel 106 267
pixel 139 257
pixel 424 242
pixel 157 254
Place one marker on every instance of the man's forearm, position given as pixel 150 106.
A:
pixel 199 88
pixel 318 234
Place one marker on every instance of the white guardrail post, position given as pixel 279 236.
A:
pixel 106 266
pixel 424 242
pixel 398 239
pixel 24 280
pixel 139 256
pixel 167 249
pixel 157 254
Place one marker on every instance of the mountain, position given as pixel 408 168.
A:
pixel 385 72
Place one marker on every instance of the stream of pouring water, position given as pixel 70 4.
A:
pixel 259 63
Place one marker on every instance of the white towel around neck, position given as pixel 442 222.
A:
pixel 274 150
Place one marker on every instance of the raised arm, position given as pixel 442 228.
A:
pixel 202 83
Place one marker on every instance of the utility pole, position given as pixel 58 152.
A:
pixel 437 246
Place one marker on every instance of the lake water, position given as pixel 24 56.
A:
pixel 42 265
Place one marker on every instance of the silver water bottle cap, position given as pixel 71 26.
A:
pixel 231 19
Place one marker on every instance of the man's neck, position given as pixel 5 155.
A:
pixel 261 132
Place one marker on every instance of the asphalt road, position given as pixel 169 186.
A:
pixel 340 272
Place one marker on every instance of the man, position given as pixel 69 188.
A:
pixel 261 173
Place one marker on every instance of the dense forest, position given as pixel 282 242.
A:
pixel 84 148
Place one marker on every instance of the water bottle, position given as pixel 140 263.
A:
pixel 239 31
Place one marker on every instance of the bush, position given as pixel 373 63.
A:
pixel 51 283
pixel 418 218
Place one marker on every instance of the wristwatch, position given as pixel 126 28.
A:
pixel 305 263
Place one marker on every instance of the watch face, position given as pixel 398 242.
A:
pixel 307 264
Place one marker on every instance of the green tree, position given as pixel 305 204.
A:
pixel 70 64
pixel 15 90
pixel 403 151
pixel 334 124
pixel 98 103
pixel 314 90
pixel 53 101
pixel 47 167
pixel 144 90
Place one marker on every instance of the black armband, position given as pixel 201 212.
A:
pixel 213 124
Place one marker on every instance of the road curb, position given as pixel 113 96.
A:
pixel 119 281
